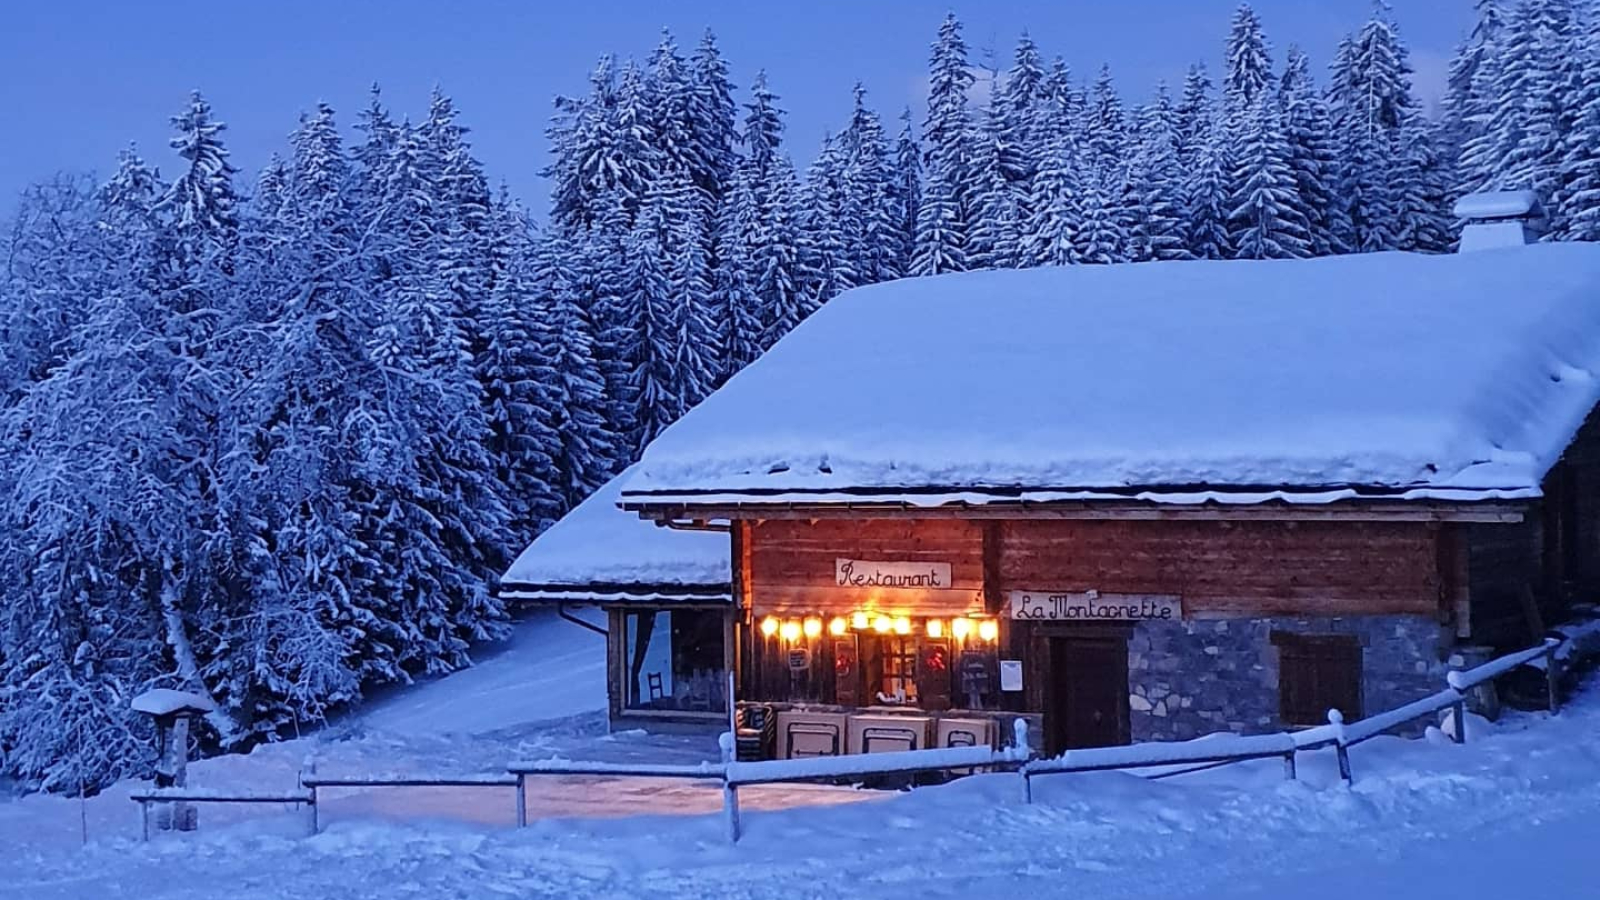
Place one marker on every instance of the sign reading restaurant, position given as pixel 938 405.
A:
pixel 1091 606
pixel 907 575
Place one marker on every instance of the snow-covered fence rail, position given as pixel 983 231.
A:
pixel 1209 752
pixel 201 795
pixel 522 771
pixel 314 784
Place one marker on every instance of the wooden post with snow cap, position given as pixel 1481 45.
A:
pixel 730 791
pixel 1019 736
pixel 171 711
pixel 1552 676
pixel 308 767
pixel 1340 748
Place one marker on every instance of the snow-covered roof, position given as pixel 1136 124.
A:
pixel 1450 377
pixel 1498 205
pixel 599 554
pixel 166 701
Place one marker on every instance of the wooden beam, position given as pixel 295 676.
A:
pixel 993 594
pixel 1493 512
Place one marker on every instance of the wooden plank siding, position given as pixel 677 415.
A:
pixel 1218 568
pixel 1235 568
pixel 792 565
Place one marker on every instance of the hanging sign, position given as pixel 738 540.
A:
pixel 1091 606
pixel 894 575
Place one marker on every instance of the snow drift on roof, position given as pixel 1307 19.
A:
pixel 598 544
pixel 1458 372
pixel 1497 205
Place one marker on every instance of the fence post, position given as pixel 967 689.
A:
pixel 309 767
pixel 1552 678
pixel 1289 766
pixel 522 800
pixel 144 820
pixel 1336 719
pixel 730 791
pixel 1019 740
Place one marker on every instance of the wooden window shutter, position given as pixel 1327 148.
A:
pixel 1316 673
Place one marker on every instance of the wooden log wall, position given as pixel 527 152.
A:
pixel 1219 568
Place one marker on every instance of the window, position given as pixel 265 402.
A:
pixel 899 681
pixel 1316 673
pixel 672 661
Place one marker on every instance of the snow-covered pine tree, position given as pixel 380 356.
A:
pixel 1467 105
pixel 1107 144
pixel 1579 195
pixel 1520 146
pixel 1248 72
pixel 1312 158
pixel 1156 178
pixel 1264 219
pixel 647 293
pixel 711 118
pixel 826 254
pixel 943 221
pixel 604 273
pixel 585 453
pixel 1207 202
pixel 1370 96
pixel 1193 116
pixel 776 258
pixel 907 190
pixel 1051 235
pixel 1099 238
pixel 1424 221
pixel 520 403
pixel 735 302
pixel 868 212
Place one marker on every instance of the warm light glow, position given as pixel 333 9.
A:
pixel 839 626
pixel 813 627
pixel 769 626
pixel 858 620
pixel 989 630
pixel 961 628
pixel 936 628
pixel 902 625
pixel 790 630
pixel 882 625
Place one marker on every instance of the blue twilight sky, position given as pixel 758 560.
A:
pixel 79 80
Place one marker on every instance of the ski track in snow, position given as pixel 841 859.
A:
pixel 1425 819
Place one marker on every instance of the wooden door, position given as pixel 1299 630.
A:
pixel 1087 703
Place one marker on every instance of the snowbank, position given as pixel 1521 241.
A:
pixel 598 553
pixel 1458 377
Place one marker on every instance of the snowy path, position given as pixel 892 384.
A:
pixel 1463 822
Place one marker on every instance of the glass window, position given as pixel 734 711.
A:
pixel 672 661
pixel 899 683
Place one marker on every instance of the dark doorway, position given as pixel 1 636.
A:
pixel 1087 704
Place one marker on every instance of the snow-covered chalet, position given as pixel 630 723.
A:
pixel 1133 502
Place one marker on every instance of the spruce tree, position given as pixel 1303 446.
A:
pixel 1264 222
pixel 943 221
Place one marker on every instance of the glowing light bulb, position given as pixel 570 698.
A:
pixel 961 628
pixel 936 628
pixel 859 621
pixel 769 626
pixel 790 630
pixel 838 626
pixel 902 625
pixel 882 625
pixel 813 626
pixel 989 630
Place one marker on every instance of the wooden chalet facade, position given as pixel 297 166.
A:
pixel 1079 496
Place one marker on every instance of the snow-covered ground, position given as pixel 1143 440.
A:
pixel 1515 812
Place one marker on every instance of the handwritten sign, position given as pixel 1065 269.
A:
pixel 893 575
pixel 1091 606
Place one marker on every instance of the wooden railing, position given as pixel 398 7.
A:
pixel 1173 758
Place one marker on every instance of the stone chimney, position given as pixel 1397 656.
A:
pixel 1499 219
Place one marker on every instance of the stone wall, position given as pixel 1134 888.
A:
pixel 1192 677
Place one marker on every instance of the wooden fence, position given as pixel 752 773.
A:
pixel 1173 758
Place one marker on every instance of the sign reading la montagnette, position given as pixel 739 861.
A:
pixel 1091 606
pixel 902 575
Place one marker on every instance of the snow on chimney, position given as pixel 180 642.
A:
pixel 1499 219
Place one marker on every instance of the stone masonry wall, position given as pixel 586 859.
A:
pixel 1192 677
